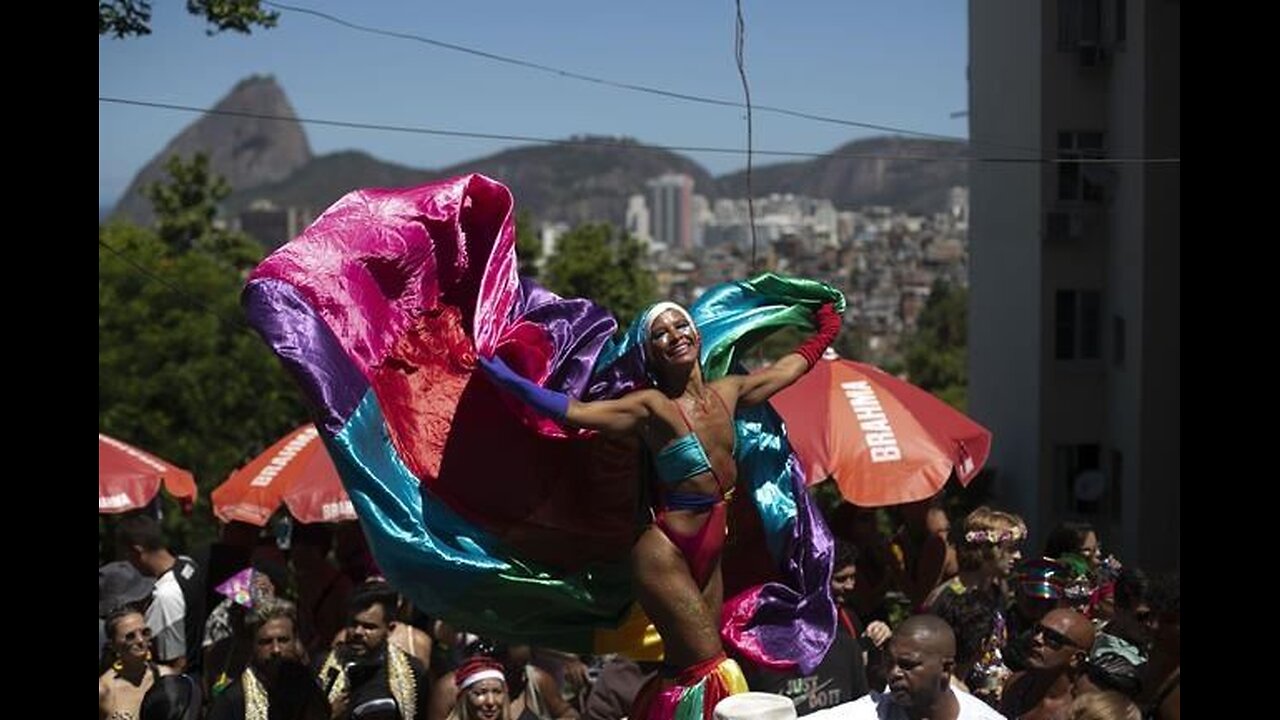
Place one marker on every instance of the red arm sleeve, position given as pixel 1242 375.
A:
pixel 828 327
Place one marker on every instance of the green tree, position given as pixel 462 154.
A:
pixel 851 343
pixel 186 209
pixel 528 244
pixel 591 262
pixel 935 352
pixel 179 372
pixel 125 18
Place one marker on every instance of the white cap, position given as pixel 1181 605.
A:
pixel 755 706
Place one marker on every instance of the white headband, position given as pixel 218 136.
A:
pixel 658 309
pixel 486 674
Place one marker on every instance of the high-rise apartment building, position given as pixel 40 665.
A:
pixel 671 210
pixel 1074 287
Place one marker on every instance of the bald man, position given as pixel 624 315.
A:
pixel 920 658
pixel 1060 643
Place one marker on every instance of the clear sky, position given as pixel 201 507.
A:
pixel 889 62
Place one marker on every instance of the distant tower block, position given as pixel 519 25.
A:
pixel 672 211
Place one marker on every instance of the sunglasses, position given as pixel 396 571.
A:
pixel 1054 639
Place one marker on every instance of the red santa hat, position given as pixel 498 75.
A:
pixel 477 668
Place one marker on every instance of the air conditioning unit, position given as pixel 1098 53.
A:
pixel 1089 485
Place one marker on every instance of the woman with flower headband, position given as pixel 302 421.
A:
pixel 986 553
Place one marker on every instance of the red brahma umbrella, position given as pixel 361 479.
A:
pixel 297 471
pixel 884 440
pixel 128 478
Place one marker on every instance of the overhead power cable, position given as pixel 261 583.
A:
pixel 633 145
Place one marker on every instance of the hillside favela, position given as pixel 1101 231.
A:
pixel 669 361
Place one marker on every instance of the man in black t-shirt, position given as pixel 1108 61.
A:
pixel 841 677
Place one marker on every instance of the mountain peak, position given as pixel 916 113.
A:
pixel 250 148
pixel 589 178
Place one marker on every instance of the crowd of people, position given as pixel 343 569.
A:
pixel 315 633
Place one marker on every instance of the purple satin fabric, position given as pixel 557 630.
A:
pixel 304 343
pixel 776 625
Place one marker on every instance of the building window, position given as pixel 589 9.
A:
pixel 1079 23
pixel 1063 226
pixel 1080 181
pixel 1117 341
pixel 1078 475
pixel 1092 23
pixel 1076 324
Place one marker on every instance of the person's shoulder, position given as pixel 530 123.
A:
pixel 945 591
pixel 971 708
pixel 406 630
pixel 652 397
pixel 167 584
pixel 655 403
pixel 167 599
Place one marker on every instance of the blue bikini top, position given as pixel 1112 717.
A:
pixel 681 460
pixel 685 457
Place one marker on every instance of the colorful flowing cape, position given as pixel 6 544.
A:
pixel 480 510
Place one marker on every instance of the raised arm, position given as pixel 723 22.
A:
pixel 622 415
pixel 761 385
pixel 612 416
